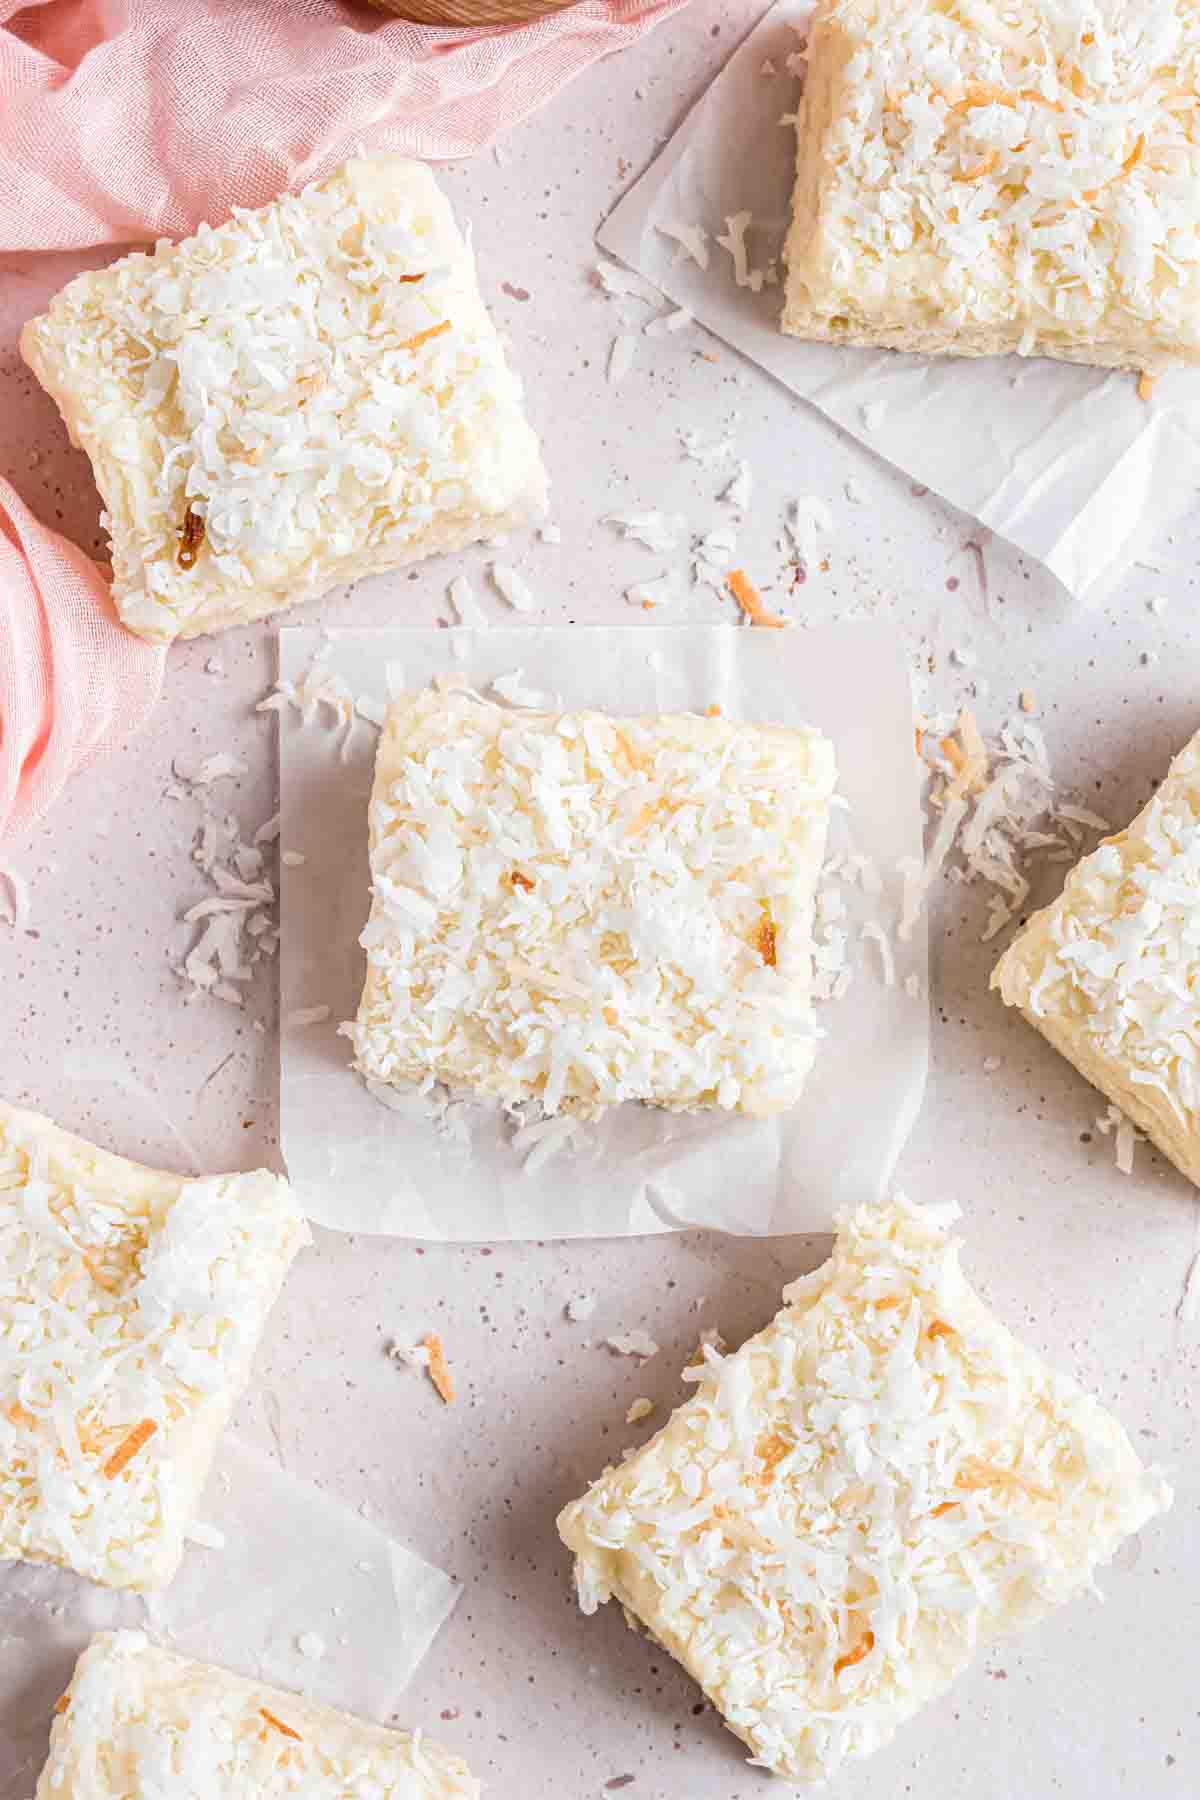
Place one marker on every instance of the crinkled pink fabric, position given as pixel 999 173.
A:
pixel 125 120
pixel 73 681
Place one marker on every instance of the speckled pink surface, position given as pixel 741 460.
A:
pixel 1084 1263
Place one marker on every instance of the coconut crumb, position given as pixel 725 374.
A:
pixel 439 1369
pixel 873 932
pixel 512 587
pixel 580 1307
pixel 657 531
pixel 737 225
pixel 620 356
pixel 1125 1137
pixel 18 899
pixel 633 1343
pixel 738 492
pixel 750 601
pixel 641 1409
pixel 312 1645
pixel 691 241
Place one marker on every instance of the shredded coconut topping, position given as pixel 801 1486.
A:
pixel 1110 971
pixel 317 383
pixel 195 1731
pixel 130 1306
pixel 859 1497
pixel 567 908
pixel 983 181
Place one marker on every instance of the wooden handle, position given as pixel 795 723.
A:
pixel 471 12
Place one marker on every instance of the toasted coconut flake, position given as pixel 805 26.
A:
pixel 439 1369
pixel 277 1724
pixel 423 337
pixel 1145 386
pixel 191 536
pixel 939 1328
pixel 765 937
pixel 863 1648
pixel 750 601
pixel 16 1414
pixel 128 1448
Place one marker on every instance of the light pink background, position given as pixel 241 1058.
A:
pixel 1085 1264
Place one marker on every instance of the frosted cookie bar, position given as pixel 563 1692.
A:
pixel 137 1720
pixel 310 393
pixel 880 1482
pixel 582 910
pixel 131 1303
pixel 973 181
pixel 1110 973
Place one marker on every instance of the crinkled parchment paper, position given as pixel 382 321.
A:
pixel 1065 462
pixel 293 1563
pixel 358 1165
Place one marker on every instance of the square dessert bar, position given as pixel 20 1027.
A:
pixel 580 910
pixel 131 1303
pixel 975 179
pixel 856 1500
pixel 310 393
pixel 137 1720
pixel 1110 973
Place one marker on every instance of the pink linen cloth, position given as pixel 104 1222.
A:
pixel 127 120
pixel 73 681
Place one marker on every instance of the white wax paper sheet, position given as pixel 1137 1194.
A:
pixel 359 1165
pixel 293 1563
pixel 1065 462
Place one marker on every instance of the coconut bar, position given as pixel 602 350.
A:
pixel 971 183
pixel 879 1484
pixel 137 1720
pixel 1110 973
pixel 131 1303
pixel 578 910
pixel 308 394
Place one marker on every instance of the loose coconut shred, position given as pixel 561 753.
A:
pixel 995 810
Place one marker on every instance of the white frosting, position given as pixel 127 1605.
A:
pixel 1022 170
pixel 569 908
pixel 1112 968
pixel 141 1721
pixel 318 381
pixel 856 1499
pixel 130 1306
